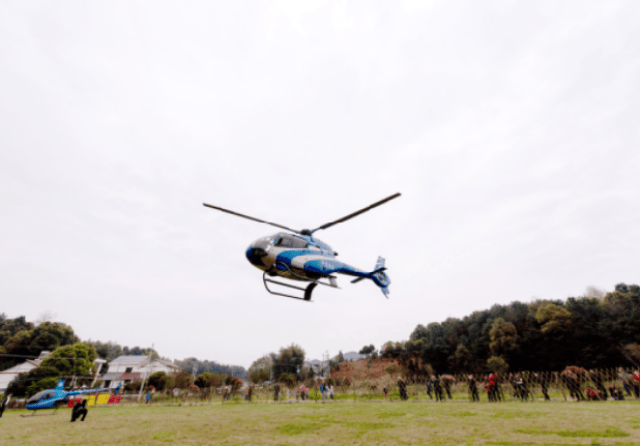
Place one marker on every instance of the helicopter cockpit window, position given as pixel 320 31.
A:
pixel 284 241
pixel 35 398
pixel 298 243
pixel 289 241
pixel 49 395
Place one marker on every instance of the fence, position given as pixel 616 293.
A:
pixel 359 386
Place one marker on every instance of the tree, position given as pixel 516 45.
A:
pixel 498 365
pixel 197 366
pixel 41 384
pixel 32 341
pixel 18 385
pixel 460 359
pixel 9 327
pixel 51 335
pixel 158 380
pixel 593 291
pixel 234 383
pixel 367 350
pixel 107 350
pixel 288 379
pixel 392 370
pixel 181 380
pixel 72 360
pixel 289 360
pixel 504 337
pixel 202 380
pixel 260 369
pixel 632 353
pixel 553 319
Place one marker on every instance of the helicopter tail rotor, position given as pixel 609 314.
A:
pixel 378 276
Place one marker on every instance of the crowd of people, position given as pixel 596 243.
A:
pixel 522 389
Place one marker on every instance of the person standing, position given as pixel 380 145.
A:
pixel 5 402
pixel 473 388
pixel 447 387
pixel 249 393
pixel 597 381
pixel 331 392
pixel 437 388
pixel 543 385
pixel 276 392
pixel 636 383
pixel 429 388
pixel 402 388
pixel 523 392
pixel 624 377
pixel 493 387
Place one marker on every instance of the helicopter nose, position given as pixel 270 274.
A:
pixel 255 254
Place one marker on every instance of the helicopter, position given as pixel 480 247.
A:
pixel 298 255
pixel 58 397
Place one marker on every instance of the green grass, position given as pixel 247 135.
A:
pixel 338 423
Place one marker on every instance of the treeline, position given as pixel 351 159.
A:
pixel 285 366
pixel 197 367
pixel 598 330
pixel 21 340
pixel 111 350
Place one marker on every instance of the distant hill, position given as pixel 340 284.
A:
pixel 318 364
pixel 353 356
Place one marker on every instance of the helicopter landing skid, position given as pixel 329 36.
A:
pixel 307 290
pixel 40 415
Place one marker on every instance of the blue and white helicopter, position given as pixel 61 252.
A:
pixel 58 397
pixel 300 256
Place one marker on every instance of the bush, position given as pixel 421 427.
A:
pixel 42 384
pixel 158 380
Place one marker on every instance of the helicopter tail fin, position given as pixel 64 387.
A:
pixel 379 277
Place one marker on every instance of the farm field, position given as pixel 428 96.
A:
pixel 338 423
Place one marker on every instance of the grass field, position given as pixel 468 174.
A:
pixel 338 423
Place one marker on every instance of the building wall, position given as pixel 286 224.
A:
pixel 8 375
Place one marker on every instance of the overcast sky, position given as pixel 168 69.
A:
pixel 510 128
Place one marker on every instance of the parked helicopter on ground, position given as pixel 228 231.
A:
pixel 300 256
pixel 58 397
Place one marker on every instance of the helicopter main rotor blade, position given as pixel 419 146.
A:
pixel 249 218
pixel 355 214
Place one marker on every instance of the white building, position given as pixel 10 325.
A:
pixel 6 376
pixel 130 368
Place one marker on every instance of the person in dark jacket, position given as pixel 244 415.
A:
pixel 437 388
pixel 80 409
pixel 597 381
pixel 493 390
pixel 4 403
pixel 276 392
pixel 543 385
pixel 402 387
pixel 473 388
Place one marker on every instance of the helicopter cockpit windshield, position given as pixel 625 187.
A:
pixel 38 396
pixel 263 244
pixel 291 241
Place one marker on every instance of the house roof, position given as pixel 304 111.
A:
pixel 132 360
pixel 167 363
pixel 111 376
pixel 20 367
pixel 127 376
